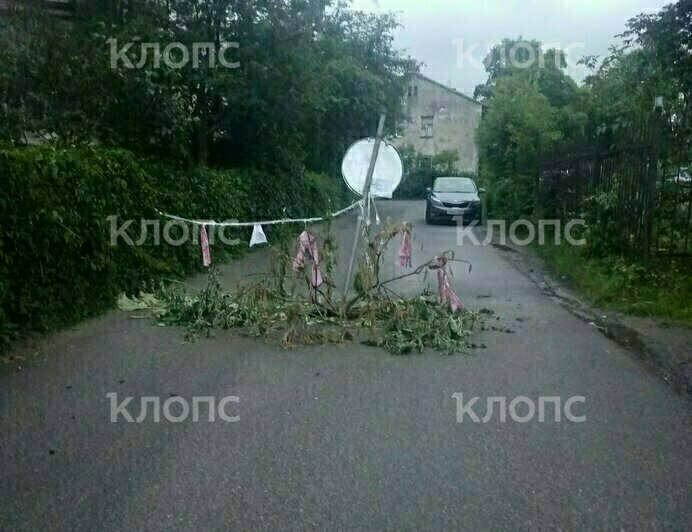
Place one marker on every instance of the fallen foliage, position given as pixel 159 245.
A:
pixel 284 303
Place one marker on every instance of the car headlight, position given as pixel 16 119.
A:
pixel 435 201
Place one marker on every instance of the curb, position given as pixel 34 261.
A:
pixel 674 369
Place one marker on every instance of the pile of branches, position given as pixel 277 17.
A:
pixel 284 302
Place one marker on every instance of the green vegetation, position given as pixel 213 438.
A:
pixel 537 112
pixel 284 303
pixel 128 132
pixel 529 109
pixel 57 263
pixel 420 171
pixel 622 285
pixel 312 76
pixel 534 105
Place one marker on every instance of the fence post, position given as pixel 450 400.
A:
pixel 650 197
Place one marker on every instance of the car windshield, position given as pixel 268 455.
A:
pixel 454 184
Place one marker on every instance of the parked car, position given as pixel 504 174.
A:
pixel 454 197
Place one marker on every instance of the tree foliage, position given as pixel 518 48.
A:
pixel 313 75
pixel 421 170
pixel 62 259
pixel 519 124
pixel 526 59
pixel 532 102
pixel 655 60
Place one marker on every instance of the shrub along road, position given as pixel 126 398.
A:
pixel 346 436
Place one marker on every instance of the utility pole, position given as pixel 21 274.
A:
pixel 366 199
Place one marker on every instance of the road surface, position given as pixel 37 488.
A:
pixel 346 437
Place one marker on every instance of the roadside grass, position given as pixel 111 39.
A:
pixel 661 289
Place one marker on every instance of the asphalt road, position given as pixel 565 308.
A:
pixel 346 437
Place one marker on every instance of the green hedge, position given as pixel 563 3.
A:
pixel 57 264
pixel 413 184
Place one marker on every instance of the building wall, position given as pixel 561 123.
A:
pixel 454 119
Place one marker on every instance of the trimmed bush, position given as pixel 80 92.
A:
pixel 420 171
pixel 57 264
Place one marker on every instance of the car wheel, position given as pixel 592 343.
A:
pixel 428 219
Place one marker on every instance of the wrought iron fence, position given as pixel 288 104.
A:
pixel 638 188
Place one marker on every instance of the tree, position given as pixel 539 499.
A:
pixel 517 127
pixel 527 60
pixel 313 76
pixel 421 170
pixel 654 61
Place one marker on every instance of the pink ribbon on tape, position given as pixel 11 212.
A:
pixel 443 285
pixel 307 245
pixel 404 256
pixel 204 242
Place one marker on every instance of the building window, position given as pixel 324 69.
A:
pixel 426 127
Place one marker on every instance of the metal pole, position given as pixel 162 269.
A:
pixel 366 197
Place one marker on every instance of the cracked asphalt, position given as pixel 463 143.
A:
pixel 346 437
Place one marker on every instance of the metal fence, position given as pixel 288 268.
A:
pixel 639 189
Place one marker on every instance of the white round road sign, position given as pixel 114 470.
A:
pixel 388 168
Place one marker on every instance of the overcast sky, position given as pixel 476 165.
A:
pixel 452 36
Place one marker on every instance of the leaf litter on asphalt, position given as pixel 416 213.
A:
pixel 285 304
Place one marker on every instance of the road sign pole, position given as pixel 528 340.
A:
pixel 366 199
